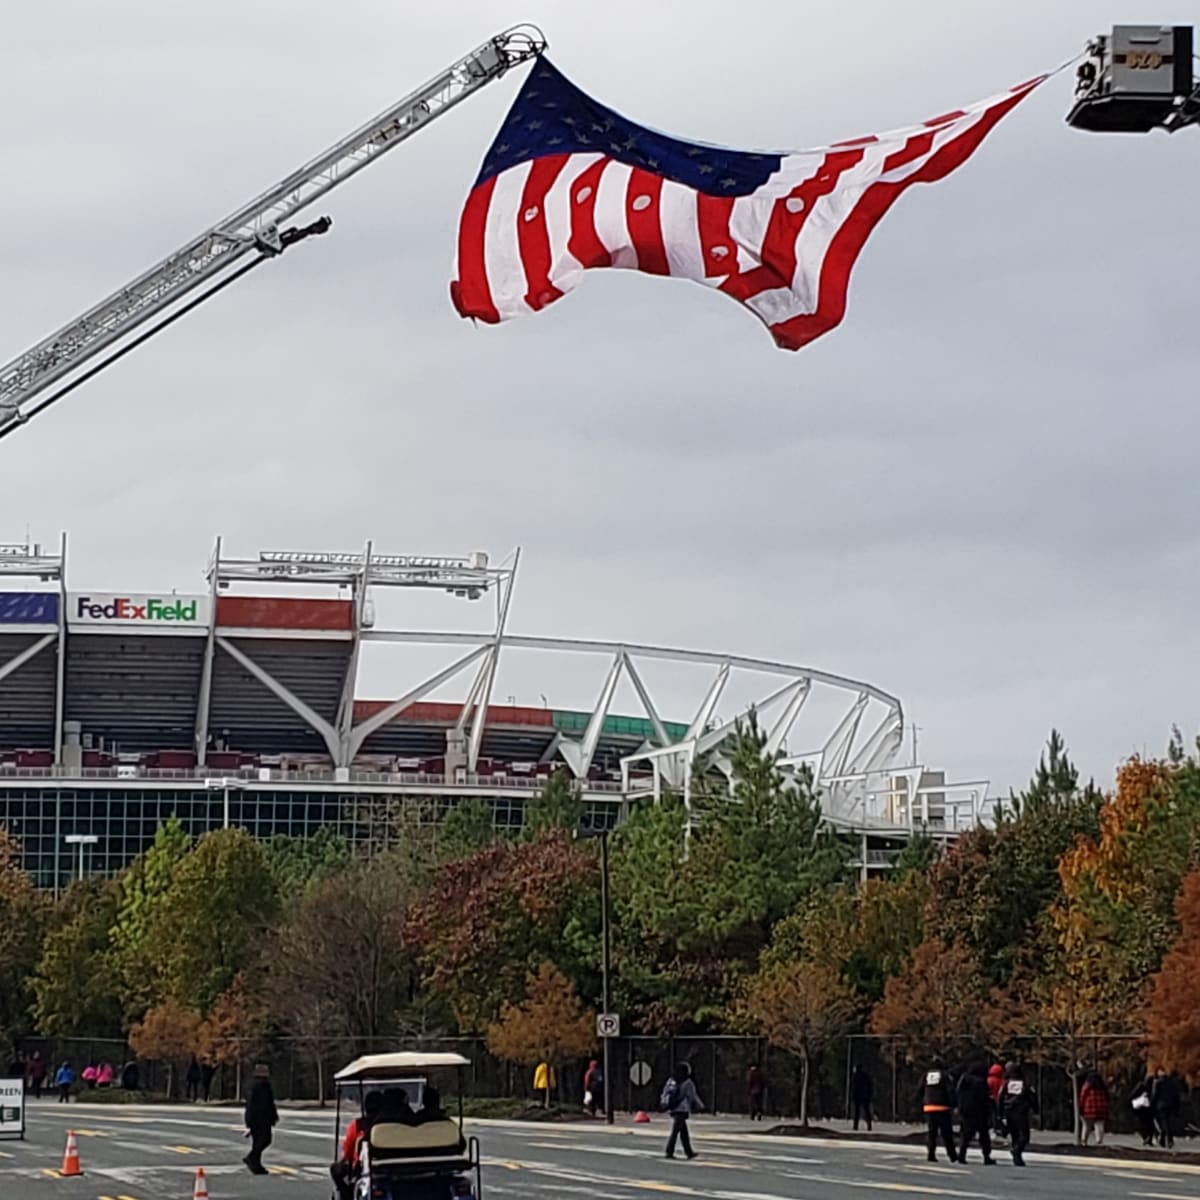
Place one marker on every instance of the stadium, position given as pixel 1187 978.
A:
pixel 241 705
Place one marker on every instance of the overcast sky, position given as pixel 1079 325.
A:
pixel 979 493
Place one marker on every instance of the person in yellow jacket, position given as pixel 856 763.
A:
pixel 544 1080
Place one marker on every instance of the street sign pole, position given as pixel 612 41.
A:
pixel 608 1079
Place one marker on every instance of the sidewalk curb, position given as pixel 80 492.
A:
pixel 1135 1154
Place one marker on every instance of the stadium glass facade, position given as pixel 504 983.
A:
pixel 124 820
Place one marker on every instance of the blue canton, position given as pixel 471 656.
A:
pixel 552 116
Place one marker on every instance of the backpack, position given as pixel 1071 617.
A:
pixel 670 1096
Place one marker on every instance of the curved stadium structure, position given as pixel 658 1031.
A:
pixel 240 704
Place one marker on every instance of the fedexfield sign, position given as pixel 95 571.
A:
pixel 144 612
pixel 12 1108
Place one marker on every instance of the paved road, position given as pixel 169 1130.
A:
pixel 134 1153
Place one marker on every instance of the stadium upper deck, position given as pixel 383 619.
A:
pixel 161 698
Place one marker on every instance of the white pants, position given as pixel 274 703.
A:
pixel 1097 1126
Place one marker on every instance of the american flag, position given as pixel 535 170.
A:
pixel 569 184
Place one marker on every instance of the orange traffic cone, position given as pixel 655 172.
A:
pixel 642 1118
pixel 71 1167
pixel 200 1191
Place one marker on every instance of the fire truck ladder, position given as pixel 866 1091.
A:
pixel 256 228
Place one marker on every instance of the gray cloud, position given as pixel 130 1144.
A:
pixel 977 493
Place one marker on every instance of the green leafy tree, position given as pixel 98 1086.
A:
pixel 22 923
pixel 557 806
pixel 143 891
pixel 213 918
pixel 297 862
pixel 75 992
pixel 469 826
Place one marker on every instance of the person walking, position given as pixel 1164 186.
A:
pixel 862 1094
pixel 193 1078
pixel 1094 1107
pixel 207 1073
pixel 90 1074
pixel 261 1118
pixel 1019 1100
pixel 995 1082
pixel 37 1074
pixel 681 1099
pixel 1165 1102
pixel 756 1091
pixel 938 1106
pixel 105 1075
pixel 1143 1114
pixel 593 1088
pixel 975 1108
pixel 64 1079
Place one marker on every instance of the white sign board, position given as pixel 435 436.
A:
pixel 145 613
pixel 608 1025
pixel 639 1073
pixel 12 1108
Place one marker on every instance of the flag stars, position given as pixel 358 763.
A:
pixel 728 182
pixel 533 126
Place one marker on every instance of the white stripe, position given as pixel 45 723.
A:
pixel 609 215
pixel 565 269
pixel 679 220
pixel 501 249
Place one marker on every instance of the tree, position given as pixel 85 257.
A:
pixel 549 1025
pixel 469 826
pixel 1173 1016
pixel 22 921
pixel 237 1017
pixel 75 991
pixel 492 918
pixel 557 806
pixel 213 918
pixel 936 1001
pixel 338 964
pixel 144 887
pixel 168 1033
pixel 801 1007
pixel 297 862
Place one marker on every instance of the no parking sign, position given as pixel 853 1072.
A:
pixel 12 1108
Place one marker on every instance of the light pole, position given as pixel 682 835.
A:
pixel 225 785
pixel 81 840
pixel 605 961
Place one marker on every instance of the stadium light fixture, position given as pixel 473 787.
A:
pixel 225 785
pixel 81 840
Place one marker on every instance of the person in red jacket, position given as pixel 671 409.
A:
pixel 995 1082
pixel 1093 1107
pixel 345 1170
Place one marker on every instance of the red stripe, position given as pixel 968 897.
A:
pixel 869 140
pixel 783 229
pixel 716 241
pixel 642 195
pixel 916 147
pixel 946 118
pixel 470 293
pixel 533 238
pixel 849 240
pixel 585 243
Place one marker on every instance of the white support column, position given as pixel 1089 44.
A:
pixel 709 704
pixel 876 751
pixel 787 718
pixel 309 715
pixel 480 722
pixel 579 755
pixel 660 730
pixel 204 700
pixel 378 720
pixel 836 751
pixel 345 717
pixel 60 674
pixel 468 707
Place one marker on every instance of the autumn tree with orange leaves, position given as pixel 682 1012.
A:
pixel 550 1025
pixel 1173 1015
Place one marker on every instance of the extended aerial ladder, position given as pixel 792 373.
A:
pixel 255 229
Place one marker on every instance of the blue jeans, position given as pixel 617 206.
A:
pixel 679 1132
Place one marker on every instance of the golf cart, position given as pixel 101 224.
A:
pixel 412 1153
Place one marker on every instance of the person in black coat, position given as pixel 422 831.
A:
pixel 261 1117
pixel 975 1109
pixel 937 1103
pixel 1165 1103
pixel 1018 1100
pixel 862 1093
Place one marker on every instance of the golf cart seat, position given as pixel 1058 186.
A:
pixel 392 1142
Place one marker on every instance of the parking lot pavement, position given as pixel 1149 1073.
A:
pixel 151 1153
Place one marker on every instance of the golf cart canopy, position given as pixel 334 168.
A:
pixel 389 1066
